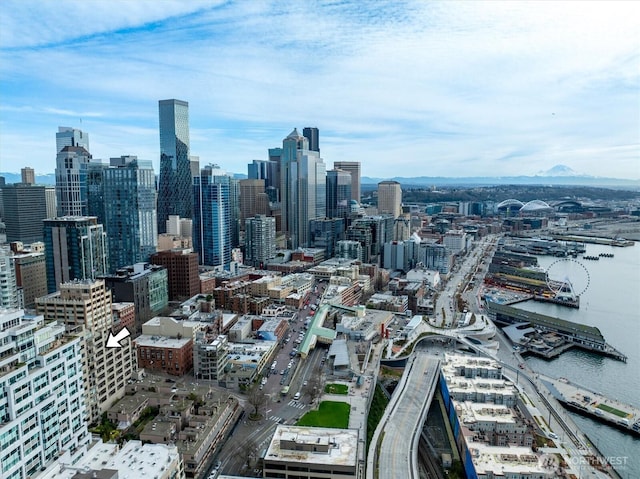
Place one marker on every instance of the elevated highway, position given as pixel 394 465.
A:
pixel 393 452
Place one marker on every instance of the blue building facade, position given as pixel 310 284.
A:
pixel 213 219
pixel 130 216
pixel 174 185
pixel 75 248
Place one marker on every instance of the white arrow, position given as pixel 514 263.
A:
pixel 114 341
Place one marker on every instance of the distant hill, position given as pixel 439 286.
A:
pixel 48 179
pixel 507 180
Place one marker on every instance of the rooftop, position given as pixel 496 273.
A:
pixel 342 445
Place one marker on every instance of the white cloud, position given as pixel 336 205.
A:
pixel 462 87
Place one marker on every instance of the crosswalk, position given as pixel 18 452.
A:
pixel 296 404
pixel 292 403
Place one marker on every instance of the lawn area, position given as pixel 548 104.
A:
pixel 336 389
pixel 613 410
pixel 329 414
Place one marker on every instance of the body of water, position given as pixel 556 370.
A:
pixel 611 303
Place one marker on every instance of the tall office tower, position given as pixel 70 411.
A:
pixel 96 205
pixel 31 272
pixel 174 186
pixel 50 201
pixel 303 188
pixel 325 233
pixel 42 409
pixel 8 283
pixel 143 284
pixel 212 219
pixel 28 176
pixel 313 137
pixel 72 163
pixel 130 214
pixel 402 228
pixel 338 194
pixel 260 240
pixel 84 307
pixel 182 272
pixel 352 167
pixel 258 170
pixel 249 191
pixel 194 165
pixel 273 180
pixel 75 248
pixel 234 202
pixel 389 198
pixel 25 208
pixel 67 136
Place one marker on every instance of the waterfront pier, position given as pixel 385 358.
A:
pixel 555 333
pixel 595 405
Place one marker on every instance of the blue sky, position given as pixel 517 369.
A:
pixel 406 88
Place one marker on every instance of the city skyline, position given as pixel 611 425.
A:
pixel 406 88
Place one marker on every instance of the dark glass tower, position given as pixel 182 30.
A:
pixel 312 134
pixel 130 215
pixel 338 194
pixel 175 195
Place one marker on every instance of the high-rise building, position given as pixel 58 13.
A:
pixel 96 205
pixel 213 216
pixel 325 233
pixel 260 240
pixel 352 167
pixel 28 176
pixel 31 272
pixel 50 201
pixel 75 248
pixel 249 191
pixel 84 307
pixel 67 136
pixel 42 410
pixel 174 186
pixel 313 137
pixel 71 181
pixel 130 214
pixel 8 283
pixel 390 198
pixel 143 284
pixel 338 194
pixel 303 188
pixel 182 272
pixel 25 208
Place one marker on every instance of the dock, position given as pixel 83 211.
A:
pixel 595 405
pixel 568 332
pixel 594 240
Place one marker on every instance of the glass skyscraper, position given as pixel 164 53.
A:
pixel 303 188
pixel 175 183
pixel 67 136
pixel 213 217
pixel 130 214
pixel 338 194
pixel 72 163
pixel 75 248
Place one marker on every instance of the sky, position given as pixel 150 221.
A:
pixel 408 88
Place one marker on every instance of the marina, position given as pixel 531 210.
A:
pixel 592 404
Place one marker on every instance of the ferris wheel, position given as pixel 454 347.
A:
pixel 567 278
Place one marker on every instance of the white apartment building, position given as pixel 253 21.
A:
pixel 41 394
pixel 84 307
pixel 134 459
pixel 455 241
